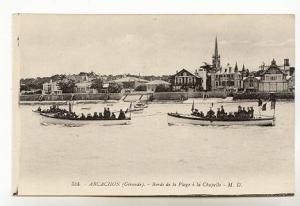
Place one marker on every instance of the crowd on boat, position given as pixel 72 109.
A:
pixel 241 114
pixel 69 114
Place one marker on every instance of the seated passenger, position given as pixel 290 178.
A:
pixel 222 110
pixel 100 115
pixel 201 114
pixel 108 113
pixel 239 108
pixel 113 116
pixel 89 116
pixel 219 113
pixel 225 116
pixel 252 112
pixel 249 112
pixel 230 115
pixel 95 116
pixel 121 115
pixel 195 112
pixel 82 116
pixel 210 113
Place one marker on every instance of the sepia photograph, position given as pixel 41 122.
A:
pixel 153 104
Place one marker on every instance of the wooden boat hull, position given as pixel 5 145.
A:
pixel 140 107
pixel 174 118
pixel 48 119
pixel 135 110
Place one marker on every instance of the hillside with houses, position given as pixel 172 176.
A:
pixel 277 77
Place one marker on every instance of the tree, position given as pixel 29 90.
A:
pixel 67 86
pixel 97 84
pixel 141 88
pixel 162 88
pixel 114 88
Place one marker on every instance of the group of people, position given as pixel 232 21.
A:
pixel 53 109
pixel 240 114
pixel 65 114
pixel 106 115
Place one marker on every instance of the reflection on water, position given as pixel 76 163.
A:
pixel 148 147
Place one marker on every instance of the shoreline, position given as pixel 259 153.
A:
pixel 188 101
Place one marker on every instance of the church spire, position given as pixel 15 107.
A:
pixel 216 63
pixel 216 47
pixel 236 69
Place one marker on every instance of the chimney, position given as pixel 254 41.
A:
pixel 286 64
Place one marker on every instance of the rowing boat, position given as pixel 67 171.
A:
pixel 134 110
pixel 176 118
pixel 140 105
pixel 52 119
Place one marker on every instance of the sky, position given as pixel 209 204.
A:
pixel 149 44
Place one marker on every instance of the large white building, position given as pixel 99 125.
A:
pixel 51 88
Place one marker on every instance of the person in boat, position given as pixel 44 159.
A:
pixel 75 116
pixel 245 113
pixel 252 112
pixel 239 109
pixel 238 114
pixel 108 113
pixel 105 112
pixel 100 115
pixel 219 115
pixel 201 114
pixel 82 116
pixel 222 110
pixel 113 116
pixel 95 116
pixel 230 115
pixel 89 116
pixel 210 113
pixel 249 112
pixel 121 115
pixel 195 112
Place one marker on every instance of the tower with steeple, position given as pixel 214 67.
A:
pixel 236 69
pixel 216 63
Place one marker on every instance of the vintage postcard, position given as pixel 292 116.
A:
pixel 153 105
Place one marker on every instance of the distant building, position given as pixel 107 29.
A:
pixel 203 74
pixel 216 78
pixel 51 88
pixel 250 83
pixel 185 80
pixel 85 87
pixel 228 79
pixel 151 86
pixel 130 82
pixel 273 79
pixel 291 83
pixel 290 75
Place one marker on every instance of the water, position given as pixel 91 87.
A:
pixel 52 156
